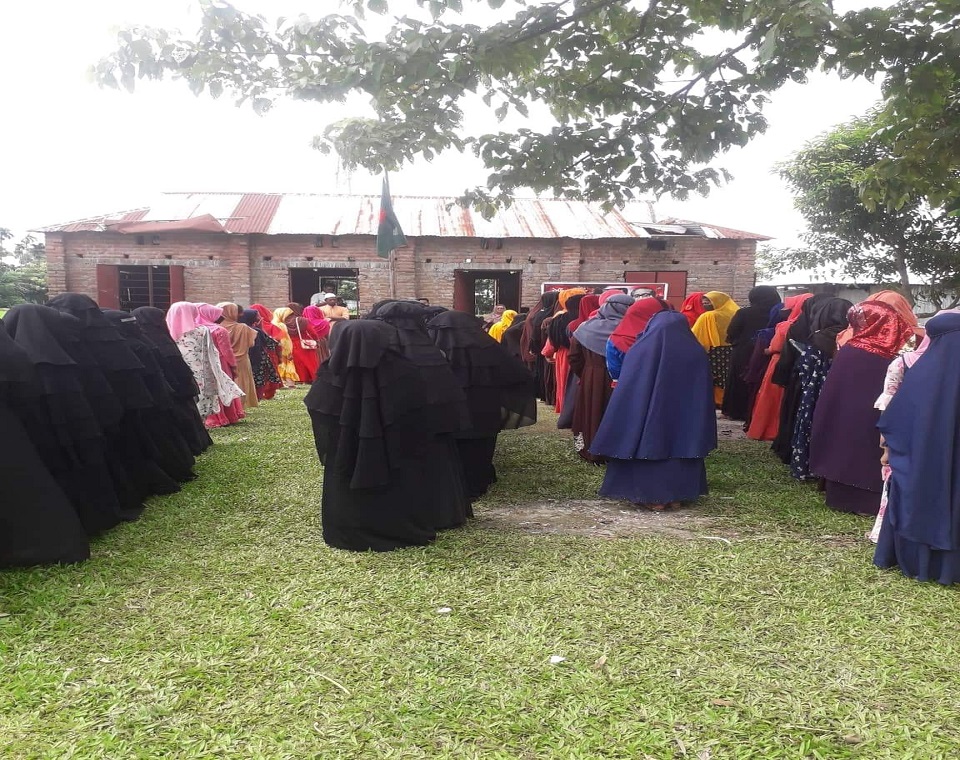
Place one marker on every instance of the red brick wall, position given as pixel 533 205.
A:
pixel 253 268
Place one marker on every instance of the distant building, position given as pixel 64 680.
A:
pixel 274 248
pixel 812 281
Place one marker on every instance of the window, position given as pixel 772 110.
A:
pixel 144 286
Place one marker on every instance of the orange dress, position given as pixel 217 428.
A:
pixel 765 422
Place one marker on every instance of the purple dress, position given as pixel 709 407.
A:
pixel 844 441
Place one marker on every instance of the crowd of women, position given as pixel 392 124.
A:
pixel 408 402
pixel 816 376
pixel 101 409
pixel 98 412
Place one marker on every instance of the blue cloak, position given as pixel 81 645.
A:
pixel 662 407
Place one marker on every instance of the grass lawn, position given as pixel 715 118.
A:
pixel 220 625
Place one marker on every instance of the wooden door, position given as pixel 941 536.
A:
pixel 108 286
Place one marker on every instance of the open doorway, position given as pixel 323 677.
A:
pixel 477 291
pixel 344 283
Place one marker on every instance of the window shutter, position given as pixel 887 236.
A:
pixel 108 286
pixel 177 290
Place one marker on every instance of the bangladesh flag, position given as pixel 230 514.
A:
pixel 389 234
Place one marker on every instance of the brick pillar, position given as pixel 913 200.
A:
pixel 571 251
pixel 56 248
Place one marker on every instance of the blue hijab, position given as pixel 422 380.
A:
pixel 920 428
pixel 778 314
pixel 662 407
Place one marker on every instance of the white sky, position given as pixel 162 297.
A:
pixel 71 150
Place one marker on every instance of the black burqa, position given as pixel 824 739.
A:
pixel 446 411
pixel 63 422
pixel 130 442
pixel 373 433
pixel 534 337
pixel 513 336
pixel 175 456
pixel 499 390
pixel 38 524
pixel 741 334
pixel 153 327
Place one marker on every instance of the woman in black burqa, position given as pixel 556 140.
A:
pixel 741 334
pixel 499 389
pixel 38 523
pixel 374 429
pixel 175 456
pixel 154 330
pixel 532 340
pixel 446 413
pixel 64 418
pixel 131 443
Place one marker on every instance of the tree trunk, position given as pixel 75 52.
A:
pixel 905 288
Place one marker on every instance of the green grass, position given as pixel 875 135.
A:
pixel 220 625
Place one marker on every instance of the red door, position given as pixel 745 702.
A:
pixel 108 286
pixel 463 297
pixel 676 283
pixel 177 290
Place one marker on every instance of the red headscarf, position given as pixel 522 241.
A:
pixel 266 322
pixel 588 305
pixel 692 307
pixel 878 328
pixel 635 321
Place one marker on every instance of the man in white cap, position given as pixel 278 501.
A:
pixel 333 312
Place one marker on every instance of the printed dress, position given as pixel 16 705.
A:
pixel 812 372
pixel 891 385
pixel 215 386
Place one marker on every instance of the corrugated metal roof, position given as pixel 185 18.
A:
pixel 318 214
pixel 713 231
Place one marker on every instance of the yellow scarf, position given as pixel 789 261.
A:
pixel 497 330
pixel 711 326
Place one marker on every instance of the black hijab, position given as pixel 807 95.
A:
pixel 15 364
pixel 41 332
pixel 753 318
pixel 499 389
pixel 101 338
pixel 531 339
pixel 365 398
pixel 557 331
pixel 799 332
pixel 153 323
pixel 827 322
pixel 443 391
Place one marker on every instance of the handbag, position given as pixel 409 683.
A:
pixel 307 344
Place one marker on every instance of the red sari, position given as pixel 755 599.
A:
pixel 306 360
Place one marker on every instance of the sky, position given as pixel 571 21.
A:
pixel 71 150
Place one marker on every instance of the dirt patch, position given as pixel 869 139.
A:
pixel 730 430
pixel 599 519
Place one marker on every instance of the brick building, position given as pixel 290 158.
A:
pixel 273 248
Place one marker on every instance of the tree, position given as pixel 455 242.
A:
pixel 877 243
pixel 643 95
pixel 23 271
pixel 916 48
